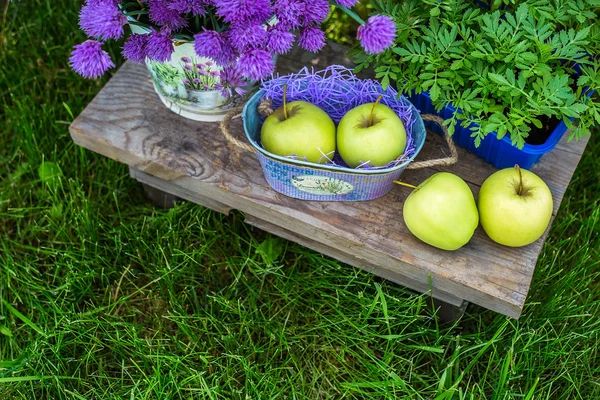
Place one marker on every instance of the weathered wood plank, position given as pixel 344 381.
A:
pixel 181 192
pixel 127 122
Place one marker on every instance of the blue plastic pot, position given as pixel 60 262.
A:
pixel 501 153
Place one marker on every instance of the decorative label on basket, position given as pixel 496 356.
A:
pixel 321 185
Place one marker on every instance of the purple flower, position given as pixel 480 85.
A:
pixel 256 64
pixel 160 46
pixel 280 41
pixel 161 14
pixel 196 80
pixel 288 13
pixel 206 87
pixel 231 77
pixel 203 73
pixel 212 44
pixel 347 3
pixel 185 81
pixel 246 37
pixel 231 80
pixel 99 2
pixel 209 63
pixel 188 67
pixel 214 73
pixel 134 48
pixel 377 34
pixel 102 21
pixel 89 60
pixel 201 66
pixel 315 11
pixel 196 7
pixel 312 38
pixel 237 11
pixel 186 60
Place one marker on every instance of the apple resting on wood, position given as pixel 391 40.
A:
pixel 299 129
pixel 371 132
pixel 515 206
pixel 441 211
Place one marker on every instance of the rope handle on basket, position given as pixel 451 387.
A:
pixel 265 109
pixel 234 113
pixel 439 161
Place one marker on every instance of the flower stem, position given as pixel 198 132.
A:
pixel 348 12
pixel 373 110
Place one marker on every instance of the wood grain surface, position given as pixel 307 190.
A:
pixel 127 122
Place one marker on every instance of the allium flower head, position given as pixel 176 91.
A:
pixel 289 12
pixel 102 21
pixel 244 37
pixel 89 60
pixel 160 45
pixel 99 2
pixel 212 44
pixel 196 7
pixel 315 11
pixel 256 64
pixel 134 48
pixel 161 14
pixel 237 11
pixel 312 38
pixel 231 79
pixel 377 34
pixel 280 41
pixel 232 76
pixel 347 3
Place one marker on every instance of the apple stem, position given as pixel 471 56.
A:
pixel 520 179
pixel 285 113
pixel 373 110
pixel 406 184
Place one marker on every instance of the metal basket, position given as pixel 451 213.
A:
pixel 308 181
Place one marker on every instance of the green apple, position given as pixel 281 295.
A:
pixel 441 211
pixel 302 129
pixel 372 133
pixel 515 206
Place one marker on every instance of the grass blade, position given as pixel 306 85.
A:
pixel 23 318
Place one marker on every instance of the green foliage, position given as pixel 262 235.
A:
pixel 505 70
pixel 167 73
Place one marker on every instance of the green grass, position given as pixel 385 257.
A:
pixel 102 296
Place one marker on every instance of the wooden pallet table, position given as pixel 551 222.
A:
pixel 192 160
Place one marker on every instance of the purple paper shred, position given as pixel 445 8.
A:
pixel 337 90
